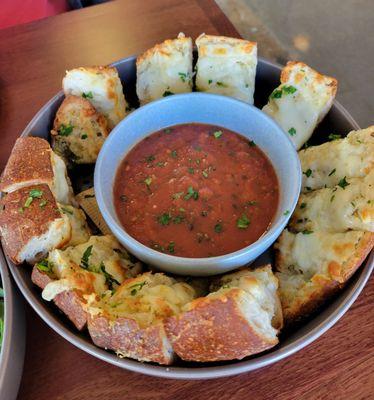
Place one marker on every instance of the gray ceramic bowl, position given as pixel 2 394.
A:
pixel 267 78
pixel 216 110
pixel 13 346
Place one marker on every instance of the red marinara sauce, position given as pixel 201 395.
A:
pixel 196 190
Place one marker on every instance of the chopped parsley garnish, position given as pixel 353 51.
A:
pixel 289 89
pixel 218 227
pixel 251 143
pixel 136 288
pixel 343 183
pixel 150 158
pixel 191 170
pixel 36 193
pixel 332 136
pixel 243 222
pixel 178 219
pixel 217 134
pixel 28 202
pixel 87 95
pixel 221 84
pixel 164 219
pixel 292 131
pixel 84 136
pixel 302 205
pixel 276 94
pixel 174 154
pixel 308 172
pixel 65 130
pixel 191 194
pixel 85 257
pixel 110 280
pixel 210 81
pixel 332 172
pixel 148 181
pixel 183 76
pixel 44 266
pixel 167 93
pixel 306 232
pixel 286 212
pixel 170 247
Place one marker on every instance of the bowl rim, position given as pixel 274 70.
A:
pixel 345 300
pixel 261 244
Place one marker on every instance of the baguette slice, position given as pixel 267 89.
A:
pixel 32 162
pixel 130 322
pixel 79 131
pixel 240 319
pixel 31 224
pixel 80 233
pixel 312 267
pixel 351 157
pixel 63 279
pixel 226 66
pixel 301 101
pixel 102 87
pixel 337 209
pixel 165 69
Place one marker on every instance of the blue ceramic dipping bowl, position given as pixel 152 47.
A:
pixel 205 108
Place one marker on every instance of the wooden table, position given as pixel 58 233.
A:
pixel 33 58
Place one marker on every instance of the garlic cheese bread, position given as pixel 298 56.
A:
pixel 349 205
pixel 329 163
pixel 32 162
pixel 241 318
pixel 102 87
pixel 165 69
pixel 96 266
pixel 79 131
pixel 301 101
pixel 131 321
pixel 80 233
pixel 31 224
pixel 312 266
pixel 226 66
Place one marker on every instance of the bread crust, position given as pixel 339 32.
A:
pixel 19 224
pixel 69 302
pixel 28 164
pixel 128 339
pixel 214 329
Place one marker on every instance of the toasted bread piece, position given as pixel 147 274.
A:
pixel 337 209
pixel 69 302
pixel 239 319
pixel 87 201
pixel 102 87
pixel 79 131
pixel 31 224
pixel 326 165
pixel 165 69
pixel 66 276
pixel 312 266
pixel 32 162
pixel 226 66
pixel 130 322
pixel 80 233
pixel 301 101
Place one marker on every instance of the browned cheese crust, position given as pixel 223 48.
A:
pixel 28 164
pixel 214 330
pixel 18 224
pixel 128 339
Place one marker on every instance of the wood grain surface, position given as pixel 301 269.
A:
pixel 33 58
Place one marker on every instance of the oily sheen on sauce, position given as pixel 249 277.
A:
pixel 196 190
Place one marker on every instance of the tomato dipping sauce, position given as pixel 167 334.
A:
pixel 196 190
